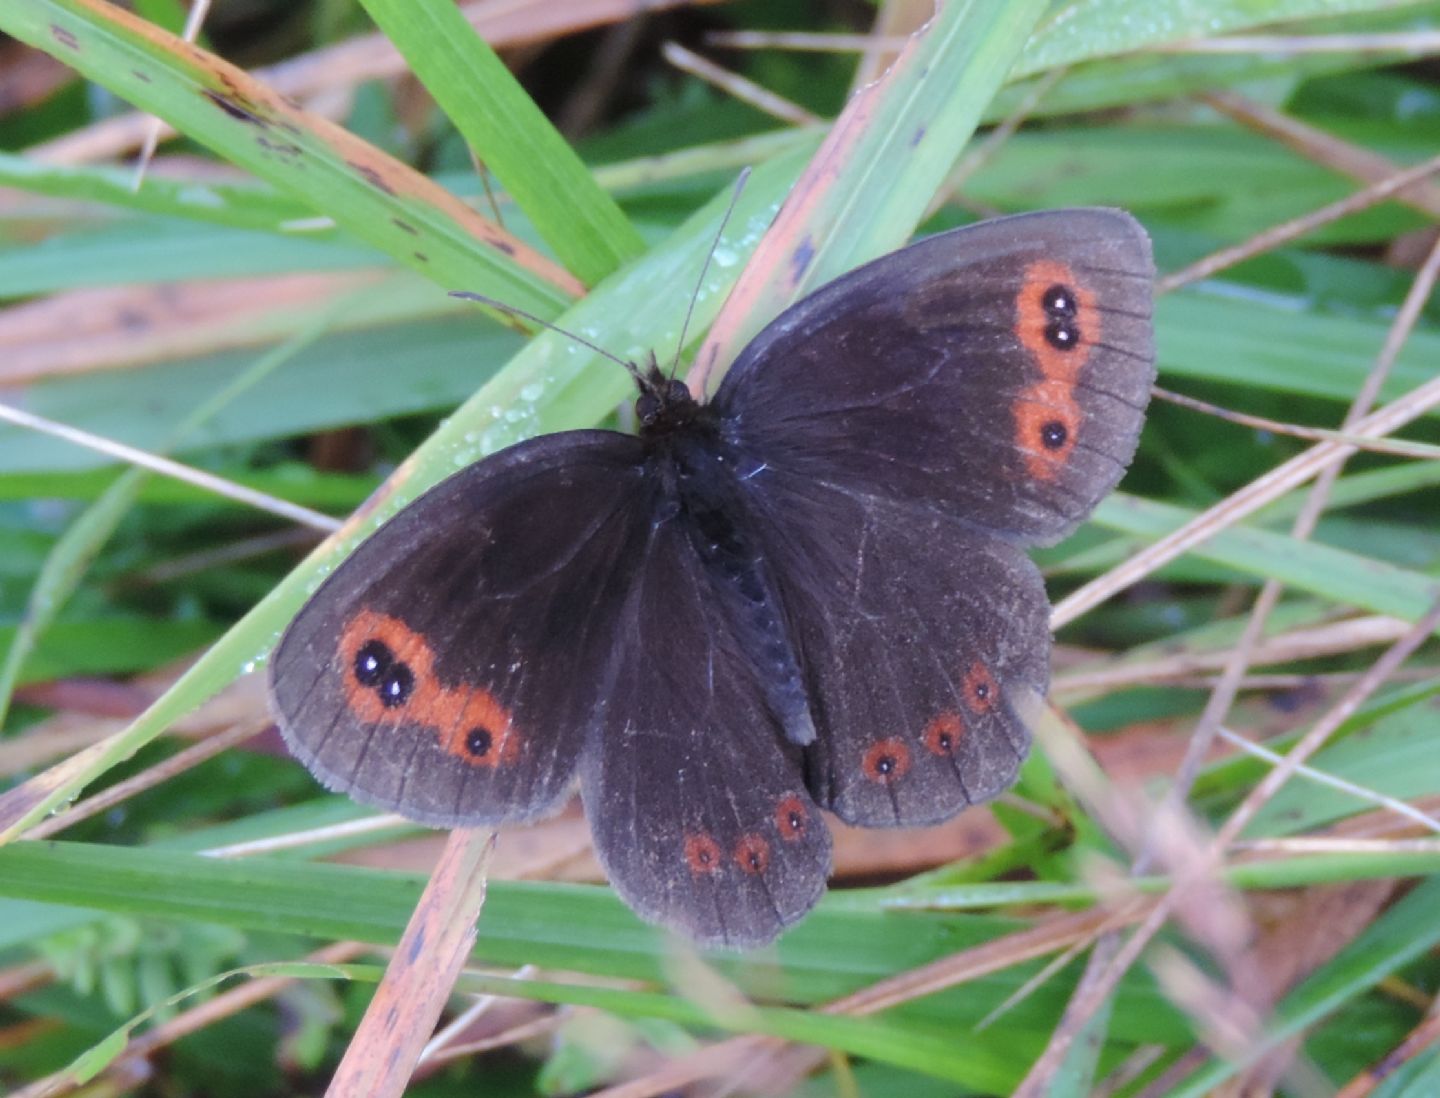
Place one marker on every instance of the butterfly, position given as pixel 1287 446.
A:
pixel 809 594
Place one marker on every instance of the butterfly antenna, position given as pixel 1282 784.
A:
pixel 511 310
pixel 705 269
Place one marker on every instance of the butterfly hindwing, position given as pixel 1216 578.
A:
pixel 699 811
pixel 449 668
pixel 998 373
pixel 923 642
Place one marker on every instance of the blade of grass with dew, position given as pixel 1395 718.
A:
pixel 510 135
pixel 374 197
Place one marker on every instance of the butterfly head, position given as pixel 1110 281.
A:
pixel 664 403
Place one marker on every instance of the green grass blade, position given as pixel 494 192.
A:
pixel 510 135
pixel 1303 565
pixel 374 197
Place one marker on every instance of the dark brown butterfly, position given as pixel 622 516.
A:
pixel 809 593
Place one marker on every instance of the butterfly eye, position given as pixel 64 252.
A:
pixel 676 392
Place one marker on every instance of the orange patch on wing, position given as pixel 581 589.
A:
pixel 942 734
pixel 403 646
pixel 886 761
pixel 981 690
pixel 1047 423
pixel 480 733
pixel 1057 323
pixel 791 818
pixel 702 853
pixel 463 718
pixel 752 854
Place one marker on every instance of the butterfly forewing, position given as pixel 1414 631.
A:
pixel 998 373
pixel 450 667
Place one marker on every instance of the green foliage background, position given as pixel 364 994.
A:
pixel 125 910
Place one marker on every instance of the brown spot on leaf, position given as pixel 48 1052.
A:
pixel 234 110
pixel 372 176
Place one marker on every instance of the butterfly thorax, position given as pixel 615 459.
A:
pixel 700 477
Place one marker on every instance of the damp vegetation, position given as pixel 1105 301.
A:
pixel 1220 867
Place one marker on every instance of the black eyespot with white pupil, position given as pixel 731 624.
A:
pixel 371 662
pixel 396 686
pixel 1059 301
pixel 478 742
pixel 1054 435
pixel 377 668
pixel 1061 307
